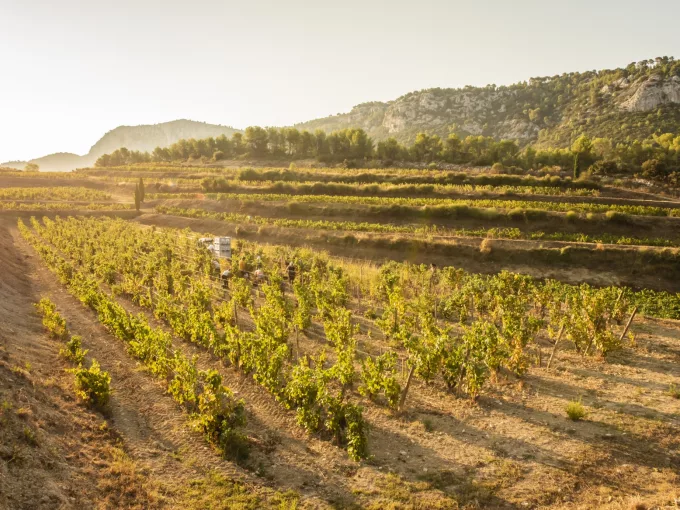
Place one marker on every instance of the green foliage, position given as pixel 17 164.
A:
pixel 53 322
pixel 588 326
pixel 378 375
pixel 302 316
pixel 184 383
pixel 305 392
pixel 218 415
pixel 73 350
pixel 93 385
pixel 357 432
pixel 573 120
pixel 65 193
pixel 499 316
pixel 575 410
pixel 212 407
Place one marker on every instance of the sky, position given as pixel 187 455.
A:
pixel 72 70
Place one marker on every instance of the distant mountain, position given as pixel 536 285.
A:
pixel 147 138
pixel 636 102
pixel 140 138
pixel 59 162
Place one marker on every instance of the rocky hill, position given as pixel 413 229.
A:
pixel 635 102
pixel 630 103
pixel 139 138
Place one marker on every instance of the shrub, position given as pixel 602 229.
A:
pixel 674 391
pixel 486 246
pixel 30 436
pixel 218 156
pixel 575 410
pixel 497 168
pixel 73 350
pixel 93 385
pixel 603 168
pixel 535 214
pixel 571 216
pixel 482 213
pixel 516 214
pixel 617 217
pixel 654 169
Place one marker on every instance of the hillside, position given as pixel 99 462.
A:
pixel 624 104
pixel 148 137
pixel 635 102
pixel 140 138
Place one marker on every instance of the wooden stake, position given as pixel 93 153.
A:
pixel 297 341
pixel 618 298
pixel 630 321
pixel 559 337
pixel 403 393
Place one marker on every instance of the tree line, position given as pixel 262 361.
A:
pixel 656 158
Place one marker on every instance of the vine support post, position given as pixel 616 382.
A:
pixel 618 299
pixel 462 371
pixel 361 278
pixel 297 341
pixel 402 399
pixel 630 321
pixel 557 341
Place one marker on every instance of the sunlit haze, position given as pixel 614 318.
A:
pixel 72 70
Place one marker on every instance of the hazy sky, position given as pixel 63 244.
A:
pixel 73 69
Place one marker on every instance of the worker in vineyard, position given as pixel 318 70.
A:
pixel 434 277
pixel 242 268
pixel 216 266
pixel 226 276
pixel 258 276
pixel 290 268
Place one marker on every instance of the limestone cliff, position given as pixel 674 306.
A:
pixel 653 92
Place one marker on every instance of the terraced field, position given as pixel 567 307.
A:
pixel 443 340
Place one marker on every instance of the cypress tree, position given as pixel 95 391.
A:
pixel 137 197
pixel 141 190
pixel 577 166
